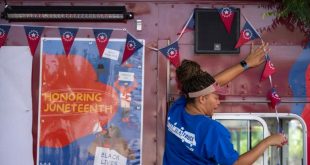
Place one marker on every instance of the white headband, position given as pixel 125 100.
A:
pixel 210 89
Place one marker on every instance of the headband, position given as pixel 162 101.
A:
pixel 210 89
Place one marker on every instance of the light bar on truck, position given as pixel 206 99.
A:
pixel 66 13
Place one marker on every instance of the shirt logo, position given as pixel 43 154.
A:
pixel 182 134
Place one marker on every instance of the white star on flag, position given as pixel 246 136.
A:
pixel 131 45
pixel 102 37
pixel 172 52
pixel 247 34
pixel 227 12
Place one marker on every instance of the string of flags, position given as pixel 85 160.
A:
pixel 248 33
pixel 67 35
pixel 102 36
pixel 171 52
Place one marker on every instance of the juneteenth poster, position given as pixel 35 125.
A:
pixel 90 108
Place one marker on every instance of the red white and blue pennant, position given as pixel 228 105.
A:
pixel 4 30
pixel 102 37
pixel 33 34
pixel 247 33
pixel 67 37
pixel 172 53
pixel 131 46
pixel 269 69
pixel 227 16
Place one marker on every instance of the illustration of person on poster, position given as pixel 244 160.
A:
pixel 125 96
pixel 110 147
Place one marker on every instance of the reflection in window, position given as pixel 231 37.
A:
pixel 245 134
pixel 295 142
pixel 292 153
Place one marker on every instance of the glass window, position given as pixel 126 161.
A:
pixel 245 134
pixel 247 130
pixel 292 153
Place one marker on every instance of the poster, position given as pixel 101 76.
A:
pixel 15 105
pixel 90 108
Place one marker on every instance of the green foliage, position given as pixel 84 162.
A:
pixel 296 11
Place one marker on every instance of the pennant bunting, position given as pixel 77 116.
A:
pixel 190 26
pixel 227 16
pixel 172 53
pixel 269 69
pixel 4 30
pixel 33 36
pixel 67 38
pixel 131 46
pixel 102 39
pixel 247 33
pixel 273 97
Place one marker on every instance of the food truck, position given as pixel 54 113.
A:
pixel 91 82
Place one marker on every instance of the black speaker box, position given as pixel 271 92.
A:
pixel 210 33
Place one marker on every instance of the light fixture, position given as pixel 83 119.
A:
pixel 66 13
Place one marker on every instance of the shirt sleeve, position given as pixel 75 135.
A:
pixel 219 147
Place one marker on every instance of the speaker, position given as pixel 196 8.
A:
pixel 211 35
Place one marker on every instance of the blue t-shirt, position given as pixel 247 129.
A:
pixel 196 139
